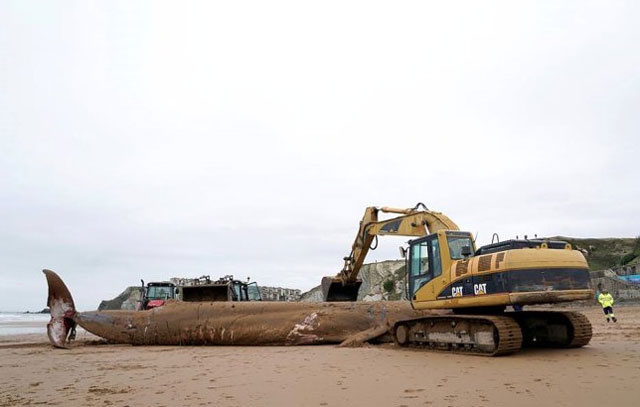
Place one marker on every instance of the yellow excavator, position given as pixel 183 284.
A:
pixel 446 271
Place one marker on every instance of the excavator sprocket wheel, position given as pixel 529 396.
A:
pixel 553 329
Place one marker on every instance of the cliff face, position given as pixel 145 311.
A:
pixel 383 281
pixel 126 300
pixel 313 295
pixel 380 281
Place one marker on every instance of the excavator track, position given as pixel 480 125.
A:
pixel 485 335
pixel 494 335
pixel 553 329
pixel 582 329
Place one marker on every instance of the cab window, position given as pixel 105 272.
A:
pixel 419 259
pixel 243 293
pixel 426 263
pixel 436 262
pixel 236 292
pixel 159 292
pixel 254 292
pixel 456 243
pixel 419 267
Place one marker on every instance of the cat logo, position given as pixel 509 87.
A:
pixel 456 291
pixel 480 289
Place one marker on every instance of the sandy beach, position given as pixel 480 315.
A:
pixel 606 372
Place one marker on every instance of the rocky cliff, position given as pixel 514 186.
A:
pixel 125 300
pixel 384 280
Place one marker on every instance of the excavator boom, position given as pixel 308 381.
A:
pixel 413 222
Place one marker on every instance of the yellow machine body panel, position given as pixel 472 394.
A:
pixel 514 273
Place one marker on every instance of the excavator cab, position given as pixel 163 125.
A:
pixel 446 271
pixel 432 255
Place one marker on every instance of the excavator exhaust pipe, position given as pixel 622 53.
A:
pixel 334 290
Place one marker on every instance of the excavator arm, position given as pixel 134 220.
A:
pixel 414 222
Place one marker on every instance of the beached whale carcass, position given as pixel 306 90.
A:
pixel 224 323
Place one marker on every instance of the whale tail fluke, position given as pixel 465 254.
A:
pixel 62 327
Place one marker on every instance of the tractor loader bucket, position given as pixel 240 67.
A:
pixel 208 293
pixel 334 290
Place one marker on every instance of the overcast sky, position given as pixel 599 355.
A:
pixel 151 140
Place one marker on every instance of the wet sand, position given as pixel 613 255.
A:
pixel 606 372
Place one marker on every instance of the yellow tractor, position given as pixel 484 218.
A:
pixel 446 271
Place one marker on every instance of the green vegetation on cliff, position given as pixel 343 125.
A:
pixel 607 253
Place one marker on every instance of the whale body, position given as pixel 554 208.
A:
pixel 226 323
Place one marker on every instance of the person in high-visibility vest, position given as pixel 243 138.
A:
pixel 606 300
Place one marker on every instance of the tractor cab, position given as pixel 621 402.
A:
pixel 155 294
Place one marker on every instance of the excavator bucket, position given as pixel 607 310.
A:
pixel 334 290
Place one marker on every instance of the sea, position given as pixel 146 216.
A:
pixel 17 323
